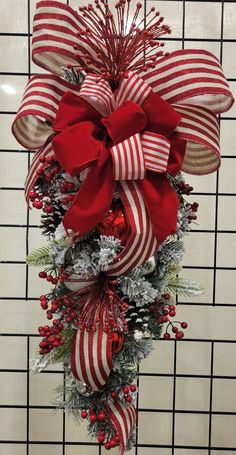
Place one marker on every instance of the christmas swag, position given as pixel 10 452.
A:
pixel 113 123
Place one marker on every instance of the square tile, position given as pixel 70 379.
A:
pixel 223 431
pixel 194 358
pixel 81 450
pixel 205 280
pixel 45 425
pixel 13 388
pixel 12 244
pixel 225 286
pixel 229 20
pixel 197 24
pixel 226 243
pixel 206 212
pixel 199 249
pixel 11 91
pixel 191 429
pixel 14 54
pixel 228 62
pixel 226 213
pixel 8 141
pixel 224 395
pixel 192 394
pixel 38 449
pixel 10 9
pixel 13 424
pixel 227 137
pixel 20 317
pixel 161 359
pixel 12 280
pixel 224 359
pixel 160 430
pixel 156 392
pixel 76 432
pixel 42 388
pixel 16 349
pixel 13 449
pixel 16 165
pixel 173 13
pixel 13 207
pixel 227 181
pixel 202 183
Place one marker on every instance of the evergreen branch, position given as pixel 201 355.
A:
pixel 39 257
pixel 184 287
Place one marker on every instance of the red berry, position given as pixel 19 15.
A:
pixel 133 388
pixel 42 274
pixel 49 278
pixel 49 315
pixel 184 325
pixel 179 335
pixel 101 438
pixel 167 296
pixel 107 445
pixel 172 308
pixel 48 209
pixel 172 313
pixel 126 390
pixel 37 204
pixel 32 195
pixel 112 442
pixel 114 394
pixel 166 336
pixel 101 416
pixel 128 398
pixel 175 329
pixel 117 438
pixel 84 414
pixel 44 305
pixel 93 418
pixel 42 159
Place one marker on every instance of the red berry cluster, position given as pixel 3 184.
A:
pixel 101 417
pixel 164 311
pixel 125 393
pixel 67 187
pixel 50 167
pixel 48 276
pixel 185 188
pixel 51 337
pixel 67 305
pixel 191 210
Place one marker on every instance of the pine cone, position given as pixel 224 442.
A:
pixel 137 317
pixel 50 221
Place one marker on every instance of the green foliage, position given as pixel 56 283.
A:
pixel 183 287
pixel 63 352
pixel 39 257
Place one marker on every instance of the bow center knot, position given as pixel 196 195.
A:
pixel 125 121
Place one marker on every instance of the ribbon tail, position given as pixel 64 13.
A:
pixel 162 204
pixel 91 357
pixel 92 201
pixel 124 421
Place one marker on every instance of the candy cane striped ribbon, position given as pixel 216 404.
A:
pixel 55 34
pixel 193 76
pixel 123 420
pixel 142 243
pixel 38 109
pixel 91 358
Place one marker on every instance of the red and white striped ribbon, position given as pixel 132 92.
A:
pixel 124 421
pixel 132 88
pixel 38 109
pixel 192 76
pixel 156 150
pixel 128 159
pixel 200 128
pixel 142 242
pixel 32 176
pixel 91 358
pixel 97 92
pixel 55 33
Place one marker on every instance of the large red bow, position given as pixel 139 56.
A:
pixel 84 138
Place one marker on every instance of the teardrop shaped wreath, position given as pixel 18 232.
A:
pixel 113 123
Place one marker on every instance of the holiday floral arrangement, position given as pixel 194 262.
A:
pixel 113 123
